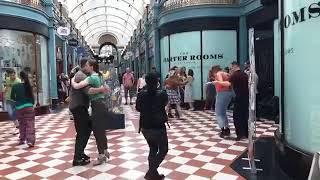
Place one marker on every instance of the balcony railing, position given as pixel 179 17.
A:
pixel 175 4
pixel 32 3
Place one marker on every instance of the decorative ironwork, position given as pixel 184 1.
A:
pixel 38 4
pixel 175 4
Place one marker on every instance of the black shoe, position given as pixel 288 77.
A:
pixel 81 162
pixel 227 131
pixel 222 133
pixel 85 157
pixel 131 103
pixel 154 177
pixel 126 104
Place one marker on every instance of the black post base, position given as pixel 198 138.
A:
pixel 293 162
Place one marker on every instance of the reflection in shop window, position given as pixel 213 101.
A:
pixel 25 51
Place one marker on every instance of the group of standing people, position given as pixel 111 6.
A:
pixel 20 106
pixel 179 87
pixel 63 87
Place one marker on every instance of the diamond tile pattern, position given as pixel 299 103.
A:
pixel 195 150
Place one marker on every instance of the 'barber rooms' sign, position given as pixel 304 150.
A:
pixel 186 57
pixel 305 13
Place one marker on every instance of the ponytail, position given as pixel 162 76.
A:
pixel 27 85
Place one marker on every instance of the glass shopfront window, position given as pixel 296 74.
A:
pixel 301 74
pixel 25 51
pixel 189 50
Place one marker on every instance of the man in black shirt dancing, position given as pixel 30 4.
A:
pixel 239 82
pixel 151 103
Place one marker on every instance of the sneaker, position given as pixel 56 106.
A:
pixel 107 154
pixel 31 145
pixel 100 160
pixel 15 131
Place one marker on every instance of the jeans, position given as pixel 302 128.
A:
pixel 11 108
pixel 223 100
pixel 83 128
pixel 157 140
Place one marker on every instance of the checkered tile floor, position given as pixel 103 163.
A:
pixel 195 150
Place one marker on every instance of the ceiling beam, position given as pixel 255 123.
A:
pixel 130 4
pixel 106 15
pixel 98 7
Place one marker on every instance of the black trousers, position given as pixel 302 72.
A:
pixel 83 128
pixel 99 115
pixel 157 140
pixel 241 115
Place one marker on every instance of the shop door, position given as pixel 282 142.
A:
pixel 265 66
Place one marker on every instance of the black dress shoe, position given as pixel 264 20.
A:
pixel 81 162
pixel 222 133
pixel 85 157
pixel 227 132
pixel 154 177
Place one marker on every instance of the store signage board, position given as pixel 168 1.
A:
pixel 73 42
pixel 63 31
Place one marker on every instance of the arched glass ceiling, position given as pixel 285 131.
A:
pixel 96 17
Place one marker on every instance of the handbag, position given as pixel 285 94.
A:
pixel 114 121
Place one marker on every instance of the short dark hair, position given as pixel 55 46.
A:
pixel 190 72
pixel 83 62
pixel 235 63
pixel 152 81
pixel 11 71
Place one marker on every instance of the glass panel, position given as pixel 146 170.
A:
pixel 302 97
pixel 43 76
pixel 185 51
pixel 222 53
pixel 17 53
pixel 120 16
pixel 164 53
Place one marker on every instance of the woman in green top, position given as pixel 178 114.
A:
pixel 24 99
pixel 98 108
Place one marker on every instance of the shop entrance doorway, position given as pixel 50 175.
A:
pixel 264 52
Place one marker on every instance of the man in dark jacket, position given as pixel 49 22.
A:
pixel 151 103
pixel 79 104
pixel 239 82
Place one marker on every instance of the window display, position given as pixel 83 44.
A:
pixel 219 47
pixel 301 75
pixel 25 51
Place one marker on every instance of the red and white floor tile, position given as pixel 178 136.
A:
pixel 196 151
